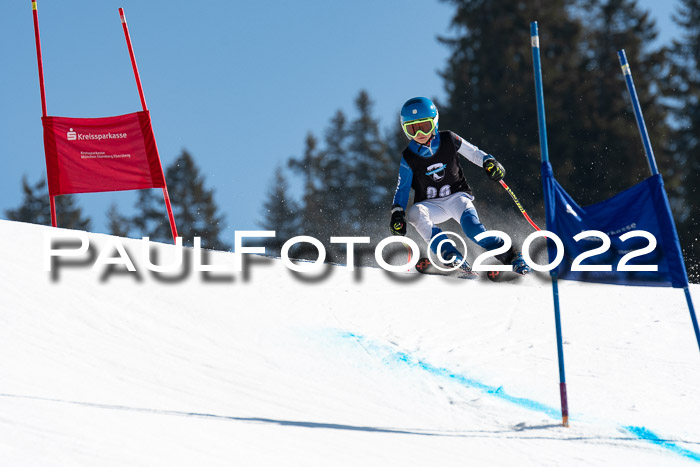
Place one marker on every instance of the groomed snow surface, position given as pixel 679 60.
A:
pixel 363 368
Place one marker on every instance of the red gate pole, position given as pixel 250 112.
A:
pixel 40 62
pixel 38 58
pixel 133 58
pixel 171 218
pixel 166 197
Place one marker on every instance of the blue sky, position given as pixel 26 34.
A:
pixel 238 84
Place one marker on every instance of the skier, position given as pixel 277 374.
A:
pixel 430 165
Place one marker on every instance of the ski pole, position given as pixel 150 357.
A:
pixel 409 253
pixel 515 198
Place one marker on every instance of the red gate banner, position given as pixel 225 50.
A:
pixel 87 155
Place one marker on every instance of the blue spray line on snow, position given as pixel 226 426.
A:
pixel 646 435
pixel 393 356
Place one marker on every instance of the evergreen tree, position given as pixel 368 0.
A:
pixel 328 198
pixel 35 204
pixel 593 141
pixel 490 88
pixel 325 172
pixel 117 223
pixel 347 181
pixel 36 209
pixel 151 219
pixel 195 211
pixel 610 151
pixel 684 88
pixel 281 213
pixel 372 180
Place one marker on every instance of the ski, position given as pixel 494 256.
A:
pixel 502 276
pixel 425 266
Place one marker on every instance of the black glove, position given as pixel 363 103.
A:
pixel 494 170
pixel 398 221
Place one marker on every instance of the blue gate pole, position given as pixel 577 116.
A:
pixel 535 40
pixel 638 112
pixel 652 164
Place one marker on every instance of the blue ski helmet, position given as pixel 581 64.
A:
pixel 418 108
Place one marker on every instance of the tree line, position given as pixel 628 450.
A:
pixel 344 180
pixel 350 174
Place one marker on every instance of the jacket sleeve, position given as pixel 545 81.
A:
pixel 403 187
pixel 469 151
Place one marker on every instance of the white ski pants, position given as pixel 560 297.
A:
pixel 423 216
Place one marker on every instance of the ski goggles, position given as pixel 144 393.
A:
pixel 425 126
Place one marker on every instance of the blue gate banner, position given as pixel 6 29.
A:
pixel 642 207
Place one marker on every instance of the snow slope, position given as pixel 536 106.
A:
pixel 351 368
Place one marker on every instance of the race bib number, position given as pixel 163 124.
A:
pixel 431 192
